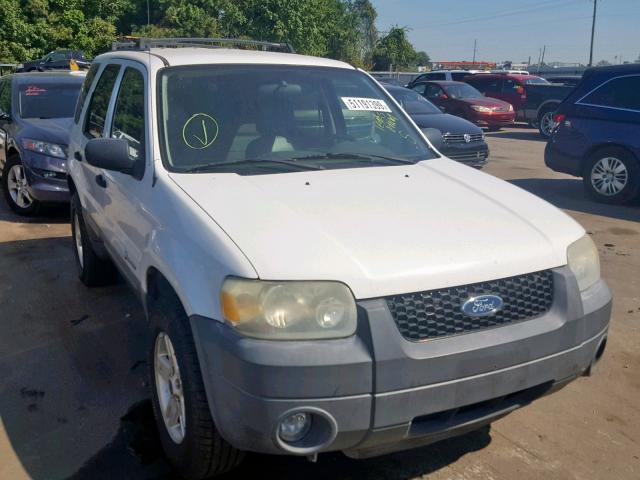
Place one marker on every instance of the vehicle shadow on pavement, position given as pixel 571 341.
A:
pixel 569 194
pixel 70 360
pixel 47 214
pixel 135 453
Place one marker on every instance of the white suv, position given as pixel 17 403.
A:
pixel 316 276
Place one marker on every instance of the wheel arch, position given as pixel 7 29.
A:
pixel 603 146
pixel 158 286
pixel 546 106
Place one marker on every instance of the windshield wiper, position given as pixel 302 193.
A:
pixel 257 161
pixel 355 156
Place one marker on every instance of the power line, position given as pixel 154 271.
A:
pixel 542 6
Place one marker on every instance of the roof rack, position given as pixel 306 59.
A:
pixel 144 43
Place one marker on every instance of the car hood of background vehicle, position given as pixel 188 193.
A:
pixel 385 230
pixel 486 102
pixel 54 130
pixel 445 123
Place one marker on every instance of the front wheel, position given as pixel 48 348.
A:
pixel 187 432
pixel 612 175
pixel 16 188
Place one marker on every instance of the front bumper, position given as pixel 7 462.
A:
pixel 42 188
pixel 413 393
pixel 474 154
pixel 562 162
pixel 493 119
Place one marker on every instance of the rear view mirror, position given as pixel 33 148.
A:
pixel 111 154
pixel 434 135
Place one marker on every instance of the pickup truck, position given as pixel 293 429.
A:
pixel 533 98
pixel 315 274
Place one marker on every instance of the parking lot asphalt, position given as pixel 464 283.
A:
pixel 74 402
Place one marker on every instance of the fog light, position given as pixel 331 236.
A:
pixel 295 427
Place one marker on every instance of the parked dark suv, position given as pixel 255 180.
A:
pixel 56 60
pixel 36 111
pixel 598 134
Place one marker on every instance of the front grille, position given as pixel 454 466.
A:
pixel 438 313
pixel 467 156
pixel 453 138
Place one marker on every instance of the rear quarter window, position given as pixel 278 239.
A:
pixel 621 92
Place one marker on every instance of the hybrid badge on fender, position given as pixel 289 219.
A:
pixel 482 305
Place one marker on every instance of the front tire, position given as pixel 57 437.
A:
pixel 612 175
pixel 15 188
pixel 187 431
pixel 93 271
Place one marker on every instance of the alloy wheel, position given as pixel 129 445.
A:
pixel 169 388
pixel 547 124
pixel 17 184
pixel 609 176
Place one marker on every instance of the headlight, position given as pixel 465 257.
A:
pixel 584 262
pixel 45 148
pixel 289 310
pixel 510 108
pixel 480 108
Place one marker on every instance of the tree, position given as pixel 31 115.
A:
pixel 395 50
pixel 603 63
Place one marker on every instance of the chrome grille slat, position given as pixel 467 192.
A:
pixel 452 138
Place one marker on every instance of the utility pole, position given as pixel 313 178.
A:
pixel 593 29
pixel 148 16
pixel 475 44
pixel 544 49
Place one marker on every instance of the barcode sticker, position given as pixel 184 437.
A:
pixel 366 104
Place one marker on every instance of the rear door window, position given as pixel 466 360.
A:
pixel 621 92
pixel 459 76
pixel 97 112
pixel 436 76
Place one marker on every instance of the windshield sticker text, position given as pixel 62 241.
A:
pixel 33 90
pixel 365 104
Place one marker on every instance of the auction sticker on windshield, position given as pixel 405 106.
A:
pixel 366 104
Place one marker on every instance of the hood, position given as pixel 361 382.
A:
pixel 445 123
pixel 485 102
pixel 385 230
pixel 54 130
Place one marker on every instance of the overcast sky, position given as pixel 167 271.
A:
pixel 516 29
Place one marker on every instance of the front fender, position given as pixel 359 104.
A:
pixel 191 251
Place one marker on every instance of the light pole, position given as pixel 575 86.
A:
pixel 593 29
pixel 148 16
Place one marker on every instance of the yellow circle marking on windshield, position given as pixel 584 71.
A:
pixel 200 131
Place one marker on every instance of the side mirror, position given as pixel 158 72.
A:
pixel 111 154
pixel 434 135
pixel 444 96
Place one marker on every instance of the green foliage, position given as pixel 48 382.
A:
pixel 342 29
pixel 394 50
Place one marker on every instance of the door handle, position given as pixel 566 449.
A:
pixel 101 181
pixel 77 155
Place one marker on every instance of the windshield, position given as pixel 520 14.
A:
pixel 412 102
pixel 48 100
pixel 536 81
pixel 462 90
pixel 272 119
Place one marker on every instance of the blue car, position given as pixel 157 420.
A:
pixel 36 112
pixel 597 134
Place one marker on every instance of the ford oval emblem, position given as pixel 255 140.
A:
pixel 482 305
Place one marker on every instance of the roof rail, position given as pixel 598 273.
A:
pixel 144 43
